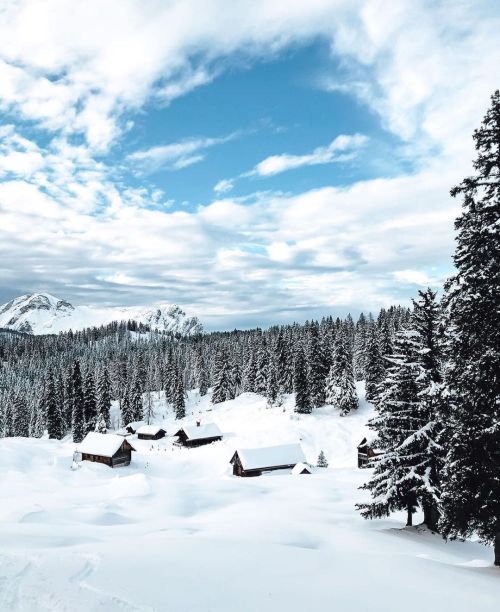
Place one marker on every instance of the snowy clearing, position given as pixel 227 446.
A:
pixel 176 532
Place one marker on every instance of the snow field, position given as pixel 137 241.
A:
pixel 176 532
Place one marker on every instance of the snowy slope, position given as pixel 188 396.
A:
pixel 42 313
pixel 176 532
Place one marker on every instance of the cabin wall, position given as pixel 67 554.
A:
pixel 96 459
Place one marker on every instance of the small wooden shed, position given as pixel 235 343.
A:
pixel 198 435
pixel 110 449
pixel 255 461
pixel 302 468
pixel 150 432
pixel 366 453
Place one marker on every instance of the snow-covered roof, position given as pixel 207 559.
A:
pixel 300 467
pixel 270 456
pixel 199 432
pixel 149 430
pixel 105 445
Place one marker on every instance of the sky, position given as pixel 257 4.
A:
pixel 256 162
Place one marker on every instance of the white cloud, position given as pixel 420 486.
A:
pixel 338 150
pixel 426 69
pixel 177 155
pixel 224 186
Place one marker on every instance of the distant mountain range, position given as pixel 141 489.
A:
pixel 42 313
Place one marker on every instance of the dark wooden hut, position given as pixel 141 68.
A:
pixel 110 449
pixel 255 461
pixel 198 435
pixel 150 432
pixel 366 453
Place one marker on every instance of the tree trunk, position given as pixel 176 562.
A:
pixel 496 545
pixel 431 516
pixel 409 519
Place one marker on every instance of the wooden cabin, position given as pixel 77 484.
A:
pixel 198 435
pixel 366 453
pixel 256 461
pixel 150 432
pixel 302 468
pixel 110 449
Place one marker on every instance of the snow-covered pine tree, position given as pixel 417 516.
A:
pixel 203 381
pixel 55 426
pixel 341 388
pixel 374 368
pixel 301 387
pixel 222 378
pixel 272 389
pixel 68 398
pixel 104 396
pixel 470 499
pixel 78 414
pixel 359 354
pixel 322 460
pixel 425 322
pixel 22 417
pixel 347 398
pixel 90 405
pixel 179 401
pixel 262 368
pixel 394 480
pixel 316 374
pixel 128 413
pixel 136 399
pixel 100 426
pixel 249 372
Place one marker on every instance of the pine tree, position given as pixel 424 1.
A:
pixel 136 399
pixel 395 479
pixel 374 369
pixel 179 403
pixel 250 372
pixel 301 388
pixel 68 398
pixel 78 414
pixel 222 381
pixel 322 461
pixel 55 427
pixel 128 413
pixel 470 499
pixel 90 403
pixel 315 362
pixel 104 396
pixel 272 389
pixel 425 322
pixel 22 417
pixel 347 398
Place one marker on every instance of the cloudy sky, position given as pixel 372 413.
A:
pixel 254 161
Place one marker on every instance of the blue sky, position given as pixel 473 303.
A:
pixel 257 162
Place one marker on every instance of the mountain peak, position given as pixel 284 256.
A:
pixel 43 313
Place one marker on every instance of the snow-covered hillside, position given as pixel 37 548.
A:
pixel 175 531
pixel 42 313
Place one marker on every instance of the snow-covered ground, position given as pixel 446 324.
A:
pixel 176 532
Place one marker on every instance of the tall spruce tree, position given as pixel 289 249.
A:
pixel 300 383
pixel 374 368
pixel 78 414
pixel 104 396
pixel 471 476
pixel 55 426
pixel 179 402
pixel 90 404
pixel 425 322
pixel 222 380
pixel 394 481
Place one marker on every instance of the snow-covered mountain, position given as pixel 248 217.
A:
pixel 42 313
